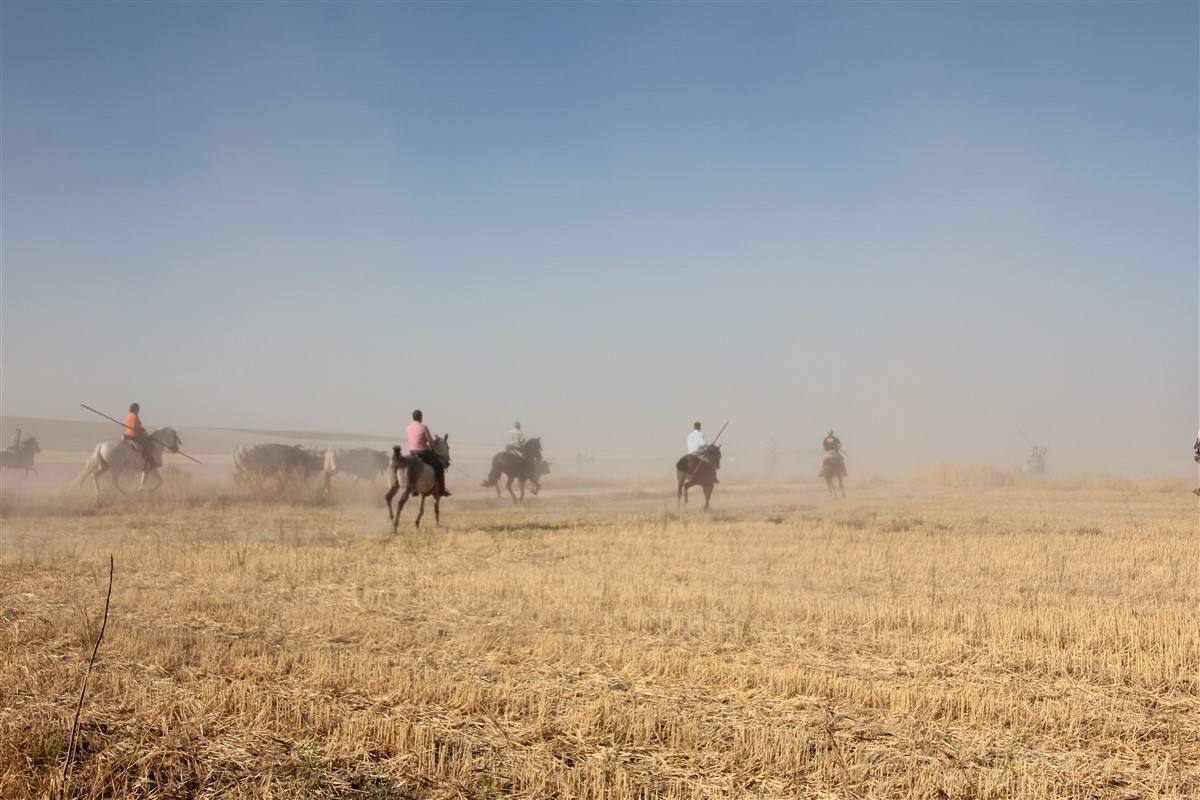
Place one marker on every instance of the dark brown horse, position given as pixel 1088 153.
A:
pixel 419 479
pixel 834 468
pixel 697 469
pixel 524 466
pixel 20 455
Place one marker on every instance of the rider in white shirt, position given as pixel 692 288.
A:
pixel 695 440
pixel 516 436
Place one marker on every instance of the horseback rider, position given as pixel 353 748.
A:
pixel 1196 455
pixel 15 442
pixel 137 436
pixel 697 445
pixel 516 440
pixel 420 444
pixel 832 444
pixel 1037 457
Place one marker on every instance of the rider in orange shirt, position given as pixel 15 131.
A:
pixel 135 432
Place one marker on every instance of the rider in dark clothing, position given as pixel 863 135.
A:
pixel 832 444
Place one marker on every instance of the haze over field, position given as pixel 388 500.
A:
pixel 928 226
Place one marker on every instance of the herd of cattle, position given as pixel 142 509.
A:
pixel 284 461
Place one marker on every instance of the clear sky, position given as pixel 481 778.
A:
pixel 929 226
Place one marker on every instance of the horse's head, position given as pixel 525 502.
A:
pixel 168 438
pixel 32 444
pixel 533 448
pixel 714 454
pixel 441 448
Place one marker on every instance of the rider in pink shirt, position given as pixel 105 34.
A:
pixel 419 437
pixel 420 443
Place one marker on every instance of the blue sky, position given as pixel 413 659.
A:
pixel 928 225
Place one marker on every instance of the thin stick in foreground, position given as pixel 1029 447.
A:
pixel 86 675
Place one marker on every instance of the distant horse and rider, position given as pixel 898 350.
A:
pixel 833 466
pixel 699 467
pixel 520 461
pixel 137 448
pixel 19 455
pixel 1035 462
pixel 423 470
pixel 120 455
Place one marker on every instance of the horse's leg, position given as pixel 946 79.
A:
pixel 116 474
pixel 842 485
pixel 388 499
pixel 400 507
pixel 522 490
pixel 707 494
pixel 421 511
pixel 678 489
pixel 508 486
pixel 437 509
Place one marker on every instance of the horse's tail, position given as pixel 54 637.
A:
pixel 397 461
pixel 494 476
pixel 93 464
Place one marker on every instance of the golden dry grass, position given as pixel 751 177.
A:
pixel 1019 642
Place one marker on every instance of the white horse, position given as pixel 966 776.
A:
pixel 118 455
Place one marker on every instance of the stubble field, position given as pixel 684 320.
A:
pixel 1019 642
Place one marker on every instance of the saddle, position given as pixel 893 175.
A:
pixel 139 446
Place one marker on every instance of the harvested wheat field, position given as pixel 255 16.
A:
pixel 1017 642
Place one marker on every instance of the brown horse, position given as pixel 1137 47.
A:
pixel 20 455
pixel 524 466
pixel 419 479
pixel 697 469
pixel 834 467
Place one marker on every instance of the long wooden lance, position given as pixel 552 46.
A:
pixel 148 434
pixel 718 436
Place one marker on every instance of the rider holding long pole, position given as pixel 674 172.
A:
pixel 136 435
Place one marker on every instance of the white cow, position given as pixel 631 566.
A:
pixel 275 461
pixel 361 462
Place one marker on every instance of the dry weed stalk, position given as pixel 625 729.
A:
pixel 66 777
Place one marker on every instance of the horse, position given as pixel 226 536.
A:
pixel 523 465
pixel 419 479
pixel 697 469
pixel 834 466
pixel 20 455
pixel 118 455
